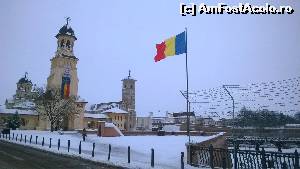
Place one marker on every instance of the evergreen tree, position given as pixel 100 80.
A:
pixel 14 121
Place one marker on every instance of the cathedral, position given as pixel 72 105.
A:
pixel 63 77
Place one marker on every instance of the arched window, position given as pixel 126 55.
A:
pixel 62 43
pixel 68 44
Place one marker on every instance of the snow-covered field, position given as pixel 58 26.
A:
pixel 167 149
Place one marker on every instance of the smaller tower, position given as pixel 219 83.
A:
pixel 24 87
pixel 128 100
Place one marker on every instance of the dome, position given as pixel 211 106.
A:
pixel 63 29
pixel 24 80
pixel 66 31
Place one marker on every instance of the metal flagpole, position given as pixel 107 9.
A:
pixel 187 97
pixel 187 86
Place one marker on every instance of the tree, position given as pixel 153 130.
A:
pixel 56 109
pixel 262 118
pixel 13 121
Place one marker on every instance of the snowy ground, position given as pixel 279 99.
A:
pixel 167 149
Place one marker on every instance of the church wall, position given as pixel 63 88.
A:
pixel 28 122
pixel 119 119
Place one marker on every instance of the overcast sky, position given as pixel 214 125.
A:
pixel 115 36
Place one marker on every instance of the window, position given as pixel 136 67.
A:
pixel 62 43
pixel 68 44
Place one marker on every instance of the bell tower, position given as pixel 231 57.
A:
pixel 128 100
pixel 63 74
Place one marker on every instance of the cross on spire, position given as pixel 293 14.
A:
pixel 26 73
pixel 68 19
pixel 129 74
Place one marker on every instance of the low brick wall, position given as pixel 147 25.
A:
pixel 217 142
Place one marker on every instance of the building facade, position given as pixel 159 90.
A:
pixel 63 77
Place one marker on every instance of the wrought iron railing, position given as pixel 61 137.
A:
pixel 242 159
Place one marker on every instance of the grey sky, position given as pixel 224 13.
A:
pixel 115 36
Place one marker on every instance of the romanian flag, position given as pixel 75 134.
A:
pixel 65 87
pixel 175 45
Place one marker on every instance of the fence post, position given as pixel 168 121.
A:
pixel 79 147
pixel 296 160
pixel 235 159
pixel 43 141
pixel 211 156
pixel 30 139
pixel 17 137
pixel 128 150
pixel 93 152
pixel 69 145
pixel 25 139
pixel 21 138
pixel 152 157
pixel 263 159
pixel 109 150
pixel 182 162
pixel 284 165
pixel 13 136
pixel 36 137
pixel 58 144
pixel 5 136
pixel 9 136
pixel 50 143
pixel 189 154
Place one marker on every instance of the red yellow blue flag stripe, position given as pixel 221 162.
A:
pixel 175 45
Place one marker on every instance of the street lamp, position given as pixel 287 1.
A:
pixel 225 88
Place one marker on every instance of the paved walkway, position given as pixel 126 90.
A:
pixel 15 156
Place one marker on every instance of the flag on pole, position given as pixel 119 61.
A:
pixel 175 45
pixel 65 87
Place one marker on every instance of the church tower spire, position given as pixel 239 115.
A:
pixel 128 100
pixel 63 74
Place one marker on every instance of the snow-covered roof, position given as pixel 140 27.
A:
pixel 101 106
pixel 25 105
pixel 95 116
pixel 3 110
pixel 114 110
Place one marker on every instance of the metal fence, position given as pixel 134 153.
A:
pixel 242 159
